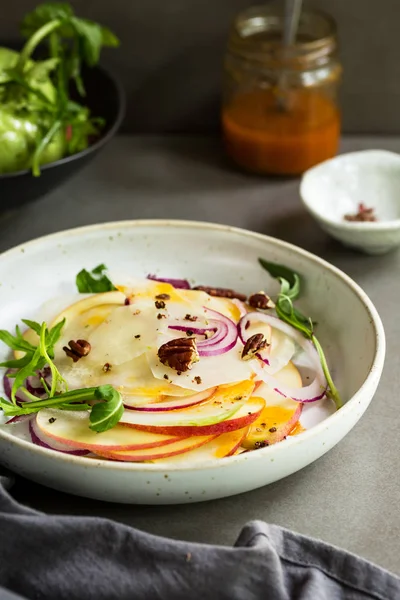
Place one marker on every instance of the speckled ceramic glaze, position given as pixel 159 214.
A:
pixel 349 327
pixel 336 187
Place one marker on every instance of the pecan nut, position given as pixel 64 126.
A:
pixel 78 349
pixel 179 354
pixel 261 300
pixel 254 344
pixel 221 292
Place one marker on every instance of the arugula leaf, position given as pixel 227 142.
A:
pixel 106 414
pixel 17 363
pixel 29 369
pixel 94 281
pixel 16 342
pixel 281 272
pixel 36 357
pixel 104 402
pixel 290 290
pixel 54 334
pixel 33 325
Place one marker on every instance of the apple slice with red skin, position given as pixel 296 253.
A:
pixel 181 446
pixel 171 402
pixel 222 446
pixel 223 405
pixel 280 414
pixel 72 429
pixel 240 419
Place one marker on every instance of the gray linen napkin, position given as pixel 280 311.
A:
pixel 46 557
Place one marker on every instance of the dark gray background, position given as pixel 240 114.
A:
pixel 170 59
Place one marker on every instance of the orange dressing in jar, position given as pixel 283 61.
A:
pixel 280 114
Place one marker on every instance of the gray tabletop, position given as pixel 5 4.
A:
pixel 351 496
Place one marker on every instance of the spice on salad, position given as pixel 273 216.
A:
pixel 363 214
pixel 160 304
pixel 163 297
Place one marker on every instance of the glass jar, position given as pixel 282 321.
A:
pixel 280 113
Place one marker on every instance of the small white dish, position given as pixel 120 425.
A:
pixel 338 186
pixel 349 329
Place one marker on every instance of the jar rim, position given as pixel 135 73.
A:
pixel 269 18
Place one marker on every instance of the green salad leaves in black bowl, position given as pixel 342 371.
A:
pixel 57 106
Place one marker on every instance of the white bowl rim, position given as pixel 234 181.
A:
pixel 367 226
pixel 270 451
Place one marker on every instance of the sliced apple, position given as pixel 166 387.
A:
pixel 93 310
pixel 224 445
pixel 224 404
pixel 179 447
pixel 242 418
pixel 280 414
pixel 171 402
pixel 72 429
pixel 78 309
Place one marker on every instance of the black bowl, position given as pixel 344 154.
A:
pixel 105 98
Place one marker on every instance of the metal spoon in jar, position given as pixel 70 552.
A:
pixel 290 27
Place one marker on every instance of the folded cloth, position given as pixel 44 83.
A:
pixel 45 557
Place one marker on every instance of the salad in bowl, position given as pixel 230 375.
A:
pixel 156 370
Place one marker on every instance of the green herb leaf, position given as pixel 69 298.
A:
pixel 40 70
pixel 91 39
pixel 44 13
pixel 29 369
pixel 109 38
pixel 290 290
pixel 94 282
pixel 36 357
pixel 108 412
pixel 54 334
pixel 17 363
pixel 280 272
pixel 33 325
pixel 16 342
pixel 105 413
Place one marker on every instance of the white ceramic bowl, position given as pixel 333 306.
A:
pixel 349 328
pixel 337 186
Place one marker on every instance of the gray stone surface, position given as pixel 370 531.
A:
pixel 350 497
pixel 171 56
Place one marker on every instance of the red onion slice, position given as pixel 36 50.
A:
pixel 182 284
pixel 224 338
pixel 19 419
pixel 310 393
pixel 43 440
pixel 7 385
